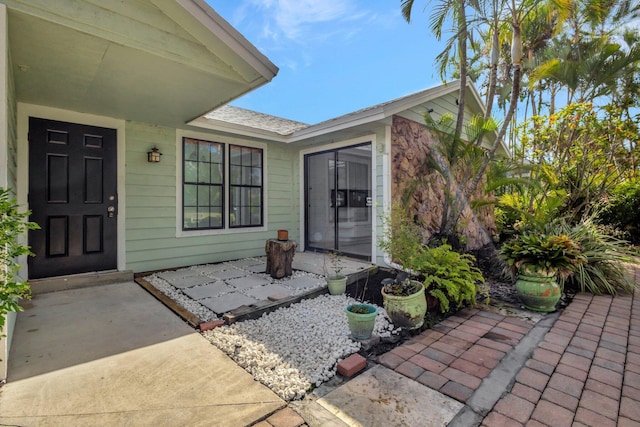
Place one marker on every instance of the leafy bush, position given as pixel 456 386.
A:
pixel 449 276
pixel 12 225
pixel 622 210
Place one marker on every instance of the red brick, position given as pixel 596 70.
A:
pixel 474 330
pixel 352 365
pixel 482 326
pixel 631 379
pixel 631 392
pixel 390 360
pixel 404 352
pixel 430 333
pixel 534 423
pixel 526 392
pixel 613 347
pixel 600 404
pixel 442 328
pixel 485 356
pixel 584 343
pixel 432 380
pixel 629 408
pixel 606 376
pixel 576 361
pixel 533 379
pixel 604 389
pixel 580 352
pixel 613 356
pixel 462 378
pixel 626 422
pixel 455 342
pixel 556 348
pixel 540 367
pixel 438 355
pixel 427 363
pixel 507 333
pixel 589 329
pixel 616 339
pixel 552 414
pixel 415 346
pixel 592 419
pixel 467 312
pixel 554 338
pixel 515 407
pixel 410 370
pixel 565 326
pixel 286 417
pixel 452 321
pixel 566 384
pixel 486 320
pixel 449 349
pixel 560 398
pixel 496 419
pixel 514 328
pixel 472 338
pixel 491 315
pixel 572 372
pixel 546 356
pixel 616 367
pixel 207 326
pixel 458 391
pixel 471 368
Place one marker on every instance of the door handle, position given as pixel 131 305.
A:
pixel 111 211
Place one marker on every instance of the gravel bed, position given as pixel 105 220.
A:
pixel 191 305
pixel 292 349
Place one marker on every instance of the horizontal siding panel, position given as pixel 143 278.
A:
pixel 151 212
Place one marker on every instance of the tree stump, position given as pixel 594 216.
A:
pixel 279 257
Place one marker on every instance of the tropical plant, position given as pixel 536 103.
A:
pixel 13 224
pixel 549 254
pixel 451 277
pixel 622 209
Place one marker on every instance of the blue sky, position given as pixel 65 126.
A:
pixel 335 56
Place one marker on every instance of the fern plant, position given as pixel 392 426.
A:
pixel 450 277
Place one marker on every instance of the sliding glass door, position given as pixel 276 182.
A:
pixel 338 201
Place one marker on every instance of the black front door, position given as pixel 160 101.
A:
pixel 72 196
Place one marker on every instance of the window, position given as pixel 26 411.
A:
pixel 204 186
pixel 245 176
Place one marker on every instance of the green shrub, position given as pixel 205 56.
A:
pixel 622 210
pixel 449 276
pixel 12 225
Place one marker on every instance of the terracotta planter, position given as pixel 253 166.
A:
pixel 538 292
pixel 406 311
pixel 361 324
pixel 283 235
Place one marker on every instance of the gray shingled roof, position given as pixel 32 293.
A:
pixel 253 119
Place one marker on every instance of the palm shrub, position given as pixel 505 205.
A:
pixel 604 269
pixel 12 225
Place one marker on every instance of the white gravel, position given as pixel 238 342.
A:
pixel 297 347
pixel 189 304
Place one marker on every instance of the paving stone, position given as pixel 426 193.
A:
pixel 471 368
pixel 533 379
pixel 632 379
pixel 209 290
pixel 256 268
pixel 515 407
pixel 593 419
pixel 606 376
pixel 409 369
pixel 404 352
pixel 456 390
pixel 604 363
pixel 227 302
pixel 245 262
pixel 474 330
pixel 449 349
pixel 229 274
pixel 566 384
pixel 563 399
pixel 427 363
pixel 546 356
pixel 438 355
pixel 496 419
pixel 433 380
pixel 495 342
pixel 176 274
pixel 572 372
pixel 540 367
pixel 515 328
pixel 552 414
pixel 304 282
pixel 472 338
pixel 462 378
pixel 415 346
pixel 576 361
pixel 248 282
pixel 390 360
pixel 352 365
pixel 487 357
pixel 209 269
pixel 631 392
pixel 286 417
pixel 266 292
pixel 190 281
pixel 626 422
pixel 526 392
pixel 556 348
pixel 600 404
pixel 604 389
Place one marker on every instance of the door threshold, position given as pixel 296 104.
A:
pixel 78 281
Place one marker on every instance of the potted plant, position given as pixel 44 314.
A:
pixel 336 282
pixel 362 319
pixel 404 301
pixel 538 260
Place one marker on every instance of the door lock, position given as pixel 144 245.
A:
pixel 111 211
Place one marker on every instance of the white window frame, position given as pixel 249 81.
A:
pixel 226 141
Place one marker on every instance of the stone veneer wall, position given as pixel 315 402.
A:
pixel 410 143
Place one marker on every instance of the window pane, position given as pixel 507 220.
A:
pixel 256 158
pixel 203 217
pixel 216 153
pixel 190 219
pixel 256 176
pixel 190 195
pixel 244 196
pixel 233 217
pixel 203 152
pixel 256 197
pixel 235 175
pixel 203 195
pixel 215 217
pixel 204 173
pixel 246 176
pixel 190 149
pixel 191 171
pixel 215 196
pixel 234 197
pixel 255 216
pixel 216 173
pixel 246 156
pixel 236 156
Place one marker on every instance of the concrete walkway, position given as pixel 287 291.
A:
pixel 114 355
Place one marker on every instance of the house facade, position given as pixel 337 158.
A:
pixel 91 88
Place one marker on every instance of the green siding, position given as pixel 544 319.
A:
pixel 12 138
pixel 151 196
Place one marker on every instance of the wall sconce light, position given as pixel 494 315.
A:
pixel 153 156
